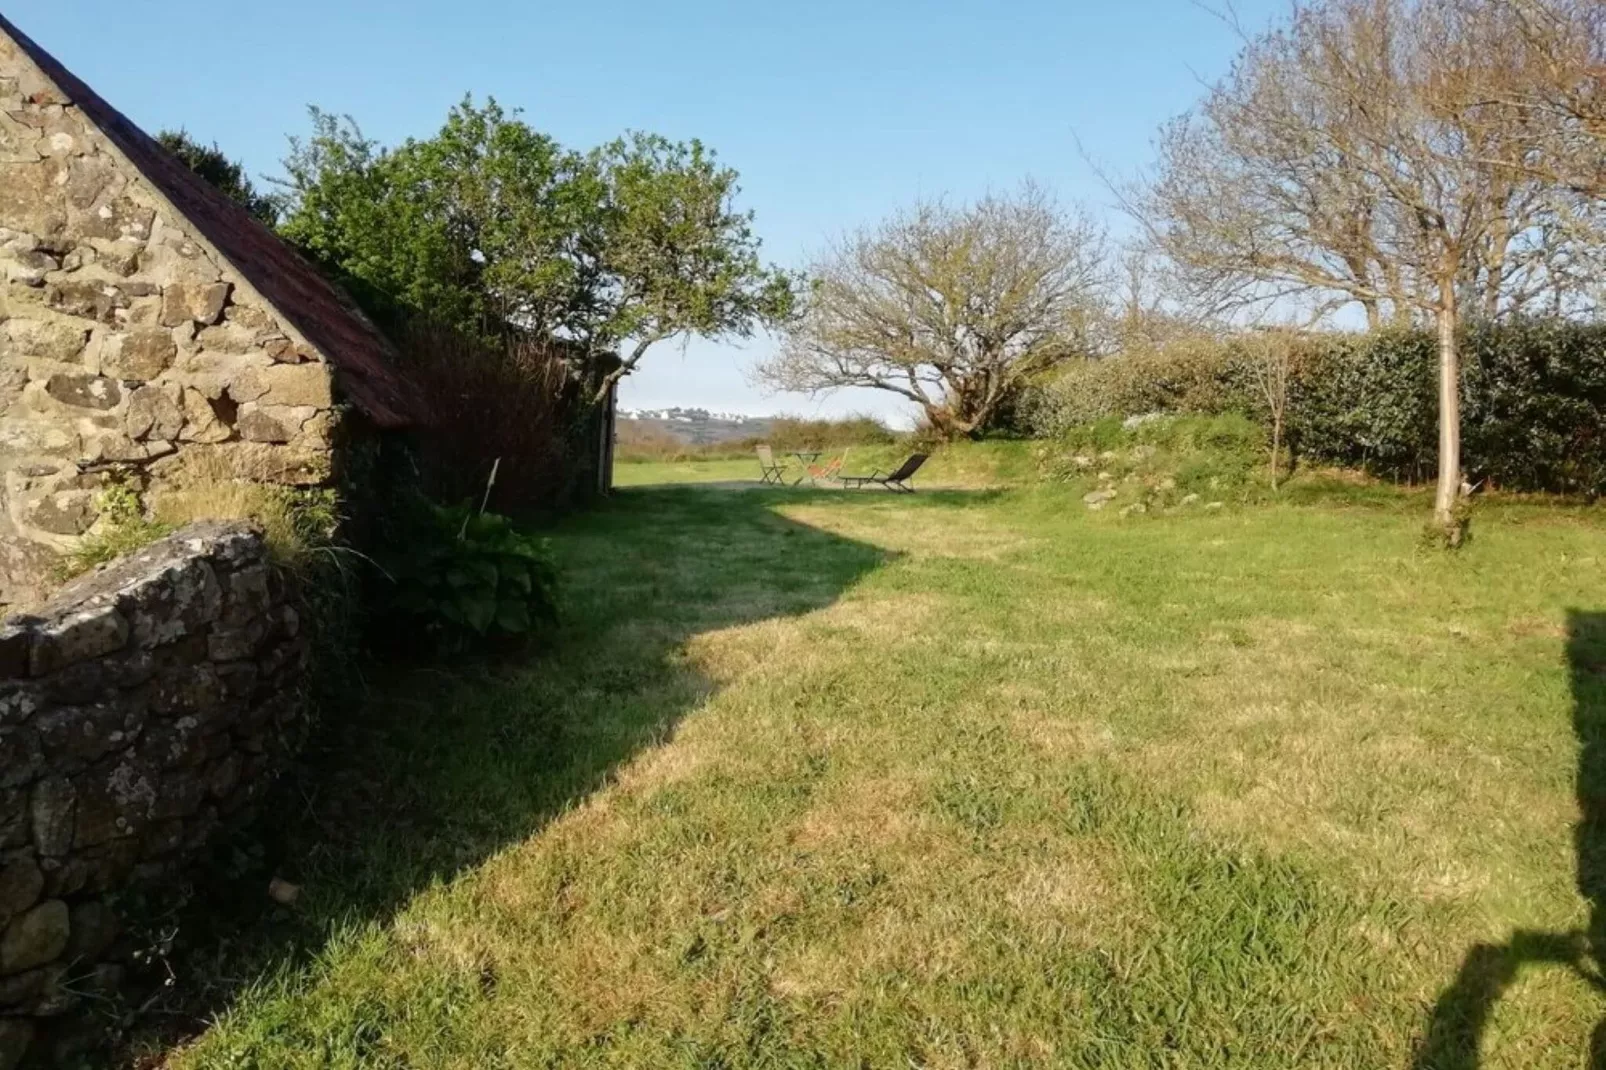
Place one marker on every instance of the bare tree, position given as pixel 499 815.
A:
pixel 1148 309
pixel 1356 156
pixel 1555 82
pixel 950 307
pixel 1272 362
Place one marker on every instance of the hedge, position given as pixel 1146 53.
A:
pixel 1533 400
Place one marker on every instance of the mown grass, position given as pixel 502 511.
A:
pixel 966 464
pixel 977 779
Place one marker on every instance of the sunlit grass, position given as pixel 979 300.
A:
pixel 970 779
pixel 644 473
pixel 966 464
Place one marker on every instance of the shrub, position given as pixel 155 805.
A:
pixel 1538 392
pixel 456 578
pixel 1533 400
pixel 799 433
pixel 1191 376
pixel 639 441
pixel 516 402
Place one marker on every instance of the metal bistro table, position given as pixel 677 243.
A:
pixel 807 459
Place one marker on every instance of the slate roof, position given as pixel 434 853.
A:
pixel 362 358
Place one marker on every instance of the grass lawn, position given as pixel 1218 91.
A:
pixel 650 473
pixel 977 779
pixel 977 464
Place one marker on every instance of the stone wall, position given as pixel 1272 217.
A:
pixel 142 707
pixel 127 348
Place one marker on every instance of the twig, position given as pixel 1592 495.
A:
pixel 485 500
pixel 489 483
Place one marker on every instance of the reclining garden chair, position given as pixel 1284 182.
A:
pixel 897 481
pixel 767 465
pixel 828 471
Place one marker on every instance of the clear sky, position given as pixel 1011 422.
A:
pixel 836 112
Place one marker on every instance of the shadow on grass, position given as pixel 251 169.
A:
pixel 442 766
pixel 1454 1033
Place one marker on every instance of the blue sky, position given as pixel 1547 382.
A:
pixel 836 113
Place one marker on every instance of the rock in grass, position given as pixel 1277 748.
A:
pixel 1095 499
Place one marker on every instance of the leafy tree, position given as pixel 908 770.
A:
pixel 952 308
pixel 427 227
pixel 677 257
pixel 490 225
pixel 227 175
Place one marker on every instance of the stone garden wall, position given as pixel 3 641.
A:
pixel 142 707
pixel 126 346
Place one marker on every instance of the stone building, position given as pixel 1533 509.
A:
pixel 148 324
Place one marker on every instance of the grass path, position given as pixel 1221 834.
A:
pixel 972 464
pixel 979 780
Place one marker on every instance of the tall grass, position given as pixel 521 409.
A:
pixel 297 522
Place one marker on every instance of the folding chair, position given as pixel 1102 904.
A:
pixel 770 470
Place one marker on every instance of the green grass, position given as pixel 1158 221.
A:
pixel 975 779
pixel 646 473
pixel 966 464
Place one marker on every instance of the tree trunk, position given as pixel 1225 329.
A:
pixel 1276 444
pixel 1449 492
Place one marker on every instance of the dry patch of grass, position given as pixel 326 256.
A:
pixel 874 814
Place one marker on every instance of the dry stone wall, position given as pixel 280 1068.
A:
pixel 144 706
pixel 125 344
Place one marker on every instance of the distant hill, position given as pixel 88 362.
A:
pixel 691 427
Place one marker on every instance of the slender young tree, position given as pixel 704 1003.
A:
pixel 1355 155
pixel 1272 362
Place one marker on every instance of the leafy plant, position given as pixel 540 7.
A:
pixel 229 176
pixel 121 528
pixel 459 576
